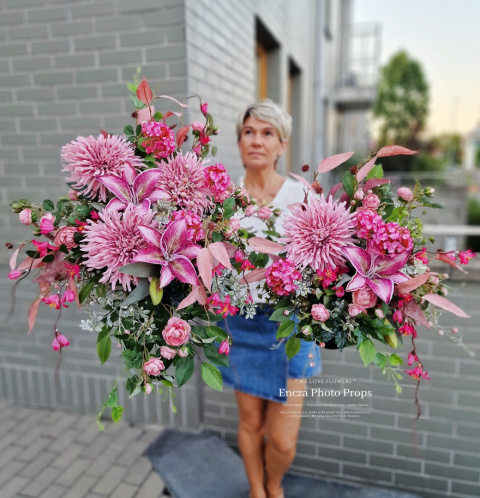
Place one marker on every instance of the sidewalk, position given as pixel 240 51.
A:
pixel 50 454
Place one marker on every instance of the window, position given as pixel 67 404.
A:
pixel 268 63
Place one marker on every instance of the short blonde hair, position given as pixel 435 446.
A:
pixel 270 112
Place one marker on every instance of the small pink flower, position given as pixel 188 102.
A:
pixel 183 352
pixel 46 223
pixel 358 195
pixel 433 279
pixel 153 366
pixel 176 332
pixel 226 308
pixel 250 210
pixel 454 330
pixel 167 352
pixel 233 227
pixel 224 347
pixel 204 108
pixel 54 301
pixel 418 372
pixel 320 313
pixel 13 275
pixel 69 296
pixel 422 255
pixel 66 236
pixel 371 201
pixel 408 329
pixel 159 139
pixel 198 126
pixel 339 291
pixel 379 313
pixel 411 358
pixel 465 256
pixel 405 193
pixel 364 298
pixel 214 300
pixel 60 341
pixel 148 388
pixel 264 213
pixel 281 277
pixel 25 216
pixel 73 194
pixel 354 310
pixel 397 316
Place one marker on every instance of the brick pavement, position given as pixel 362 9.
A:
pixel 48 454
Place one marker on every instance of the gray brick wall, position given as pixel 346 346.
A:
pixel 63 70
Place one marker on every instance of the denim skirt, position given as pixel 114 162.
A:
pixel 258 362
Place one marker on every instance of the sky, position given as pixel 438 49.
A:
pixel 444 36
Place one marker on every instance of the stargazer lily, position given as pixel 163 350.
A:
pixel 172 250
pixel 133 188
pixel 379 272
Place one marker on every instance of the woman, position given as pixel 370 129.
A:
pixel 260 373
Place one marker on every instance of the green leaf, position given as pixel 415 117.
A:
pixel 217 237
pixel 63 248
pixel 184 371
pixel 132 87
pixel 117 413
pixel 128 130
pixel 156 293
pixel 293 346
pixel 376 172
pixel 285 329
pixel 348 181
pixel 380 360
pixel 104 347
pixel 278 316
pixel 367 351
pixel 395 360
pixel 131 383
pixel 214 331
pixel 85 291
pixel 105 332
pixel 166 382
pixel 211 376
pixel 112 398
pixel 157 116
pixel 398 388
pixel 101 290
pixel 133 359
pixel 214 150
pixel 141 291
pixel 212 354
pixel 229 203
pixel 48 258
pixel 48 205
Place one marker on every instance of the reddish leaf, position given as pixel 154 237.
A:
pixel 344 198
pixel 332 162
pixel 412 284
pixel 219 252
pixel 33 314
pixel 443 257
pixel 264 246
pixel 254 276
pixel 412 310
pixel 174 100
pixel 104 133
pixel 144 92
pixel 182 135
pixel 365 169
pixel 335 189
pixel 395 150
pixel 375 182
pixel 13 259
pixel 73 287
pixel 205 267
pixel 441 302
pixel 171 113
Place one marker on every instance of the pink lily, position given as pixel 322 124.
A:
pixel 43 247
pixel 172 251
pixel 379 272
pixel 133 188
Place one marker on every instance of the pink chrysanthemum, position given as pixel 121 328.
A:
pixel 89 158
pixel 159 139
pixel 315 233
pixel 391 238
pixel 194 224
pixel 114 240
pixel 281 275
pixel 184 184
pixel 218 181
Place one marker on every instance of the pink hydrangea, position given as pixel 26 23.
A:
pixel 320 313
pixel 218 181
pixel 281 275
pixel 153 367
pixel 367 223
pixel 194 224
pixel 159 139
pixel 25 216
pixel 391 238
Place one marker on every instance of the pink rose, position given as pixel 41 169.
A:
pixel 46 223
pixel 167 352
pixel 176 332
pixel 73 194
pixel 354 310
pixel 183 352
pixel 405 193
pixel 371 201
pixel 364 298
pixel 250 210
pixel 196 125
pixel 25 216
pixel 66 236
pixel 153 366
pixel 264 213
pixel 320 313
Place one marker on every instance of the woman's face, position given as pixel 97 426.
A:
pixel 259 144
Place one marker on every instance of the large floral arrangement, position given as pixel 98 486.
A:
pixel 355 271
pixel 147 242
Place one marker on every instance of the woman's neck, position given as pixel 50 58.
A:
pixel 263 185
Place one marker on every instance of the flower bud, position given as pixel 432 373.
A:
pixel 17 206
pixel 440 332
pixel 454 330
pixel 429 191
pixel 307 330
pixel 286 312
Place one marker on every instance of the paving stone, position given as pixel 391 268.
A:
pixel 54 491
pixel 81 487
pixel 66 458
pixel 33 451
pixel 44 480
pixel 139 471
pixel 109 480
pixel 10 470
pixel 37 465
pixel 152 487
pixel 13 486
pixel 125 491
pixel 74 471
